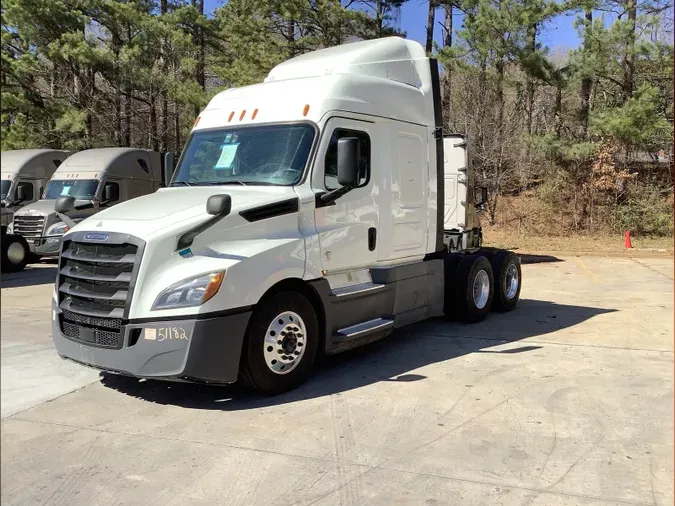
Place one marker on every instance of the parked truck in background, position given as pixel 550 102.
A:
pixel 23 176
pixel 97 179
pixel 312 213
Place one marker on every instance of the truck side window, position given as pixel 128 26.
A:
pixel 330 165
pixel 143 165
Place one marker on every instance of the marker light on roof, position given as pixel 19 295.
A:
pixel 305 110
pixel 241 116
pixel 255 113
pixel 231 116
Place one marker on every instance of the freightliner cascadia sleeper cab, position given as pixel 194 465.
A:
pixel 312 213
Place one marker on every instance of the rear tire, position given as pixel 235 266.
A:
pixel 15 253
pixel 472 289
pixel 281 344
pixel 507 275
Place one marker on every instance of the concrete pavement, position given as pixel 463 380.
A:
pixel 568 400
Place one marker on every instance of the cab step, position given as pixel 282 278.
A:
pixel 362 329
pixel 358 289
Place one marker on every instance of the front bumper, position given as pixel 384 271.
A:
pixel 45 246
pixel 194 349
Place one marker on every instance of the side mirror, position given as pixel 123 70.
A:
pixel 219 205
pixel 24 192
pixel 64 205
pixel 348 155
pixel 168 168
pixel 111 192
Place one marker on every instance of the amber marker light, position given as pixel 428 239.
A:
pixel 231 116
pixel 255 113
pixel 305 110
pixel 196 121
pixel 213 286
pixel 241 116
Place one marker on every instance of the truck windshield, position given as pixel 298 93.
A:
pixel 82 189
pixel 260 155
pixel 6 183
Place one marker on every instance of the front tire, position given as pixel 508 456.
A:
pixel 15 253
pixel 281 344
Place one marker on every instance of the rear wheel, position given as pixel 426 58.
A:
pixel 15 253
pixel 281 344
pixel 472 289
pixel 507 274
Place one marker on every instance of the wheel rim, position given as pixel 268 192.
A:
pixel 481 289
pixel 512 281
pixel 15 253
pixel 285 342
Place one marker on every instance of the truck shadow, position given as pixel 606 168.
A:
pixel 38 274
pixel 396 358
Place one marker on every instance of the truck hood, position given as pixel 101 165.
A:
pixel 184 203
pixel 167 207
pixel 41 207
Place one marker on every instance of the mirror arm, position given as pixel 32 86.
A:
pixel 65 219
pixel 333 195
pixel 185 240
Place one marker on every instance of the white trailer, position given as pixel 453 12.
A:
pixel 312 213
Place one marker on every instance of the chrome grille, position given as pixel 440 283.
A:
pixel 30 227
pixel 94 285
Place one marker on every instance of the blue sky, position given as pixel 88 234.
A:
pixel 560 33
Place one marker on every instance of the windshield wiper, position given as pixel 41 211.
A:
pixel 216 183
pixel 176 183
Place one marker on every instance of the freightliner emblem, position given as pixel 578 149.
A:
pixel 96 236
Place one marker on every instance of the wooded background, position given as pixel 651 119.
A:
pixel 566 141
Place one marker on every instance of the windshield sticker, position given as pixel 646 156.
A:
pixel 227 154
pixel 65 190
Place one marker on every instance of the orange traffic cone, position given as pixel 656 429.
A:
pixel 626 240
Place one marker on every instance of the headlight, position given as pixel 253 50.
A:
pixel 10 228
pixel 190 292
pixel 59 228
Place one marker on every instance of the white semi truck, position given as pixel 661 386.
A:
pixel 96 179
pixel 312 213
pixel 23 177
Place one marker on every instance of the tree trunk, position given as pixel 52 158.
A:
pixel 629 57
pixel 500 96
pixel 128 107
pixel 199 36
pixel 586 82
pixel 430 26
pixel 176 116
pixel 447 42
pixel 292 49
pixel 379 17
pixel 154 126
pixel 164 138
pixel 531 47
pixel 558 110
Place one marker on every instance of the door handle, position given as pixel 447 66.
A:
pixel 372 238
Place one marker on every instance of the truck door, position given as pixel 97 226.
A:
pixel 348 228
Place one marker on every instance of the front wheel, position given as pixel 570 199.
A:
pixel 15 253
pixel 281 344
